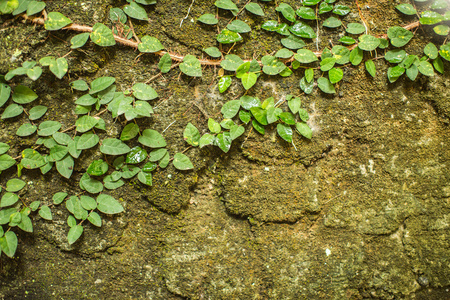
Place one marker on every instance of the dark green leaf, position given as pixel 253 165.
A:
pixel 306 13
pixel 135 11
pixel 209 19
pixel 23 95
pixel 287 11
pixel 303 30
pixel 228 37
pixel 56 21
pixel 285 131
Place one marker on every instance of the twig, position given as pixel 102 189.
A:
pixel 361 16
pixel 134 33
pixel 187 15
pixel 169 126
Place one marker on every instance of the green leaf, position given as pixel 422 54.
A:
pixel 399 36
pixel 65 166
pixel 293 42
pixel 88 203
pixel 285 131
pixel 101 84
pixel 35 205
pixel 431 51
pixel 239 26
pixel 5 91
pixel 271 65
pixel 231 62
pixel 284 53
pixel 396 56
pixel 223 141
pixel 79 40
pixel 5 215
pixel 95 219
pixel 305 86
pixel 151 138
pixel 74 234
pixel 356 56
pixel 156 155
pixel 23 95
pixel 34 73
pixel 347 40
pixel 370 67
pixel 23 4
pixel 270 25
pixel 230 109
pixel 304 116
pixel 15 185
pixel 8 243
pixel 325 85
pixel 86 141
pixel 143 91
pixel 304 129
pixel 117 15
pixel 248 80
pixel 56 21
pixel 255 9
pixel 442 29
pixel 135 11
pixel 85 123
pixel 31 159
pixel 327 64
pixel 369 42
pixel 57 152
pixel 287 118
pixel 90 185
pixel 407 9
pixel 309 74
pixel 259 114
pixel 129 131
pixel 355 28
pixel 47 128
pixel 35 7
pixel 228 37
pixel 430 18
pixel 145 178
pixel 224 83
pixel 335 75
pixel 439 4
pixel 439 65
pixel 236 131
pixel 150 45
pixel 165 63
pixel 45 213
pixel 341 10
pixel 305 56
pixel 394 73
pixel 6 162
pixel 226 4
pixel 3 148
pixel 213 52
pixel 46 61
pixel 258 127
pixel 112 146
pixel 129 171
pixel 306 13
pixel 303 30
pixel 245 116
pixel 191 135
pixel 108 205
pixel 25 224
pixel 8 199
pixel 341 54
pixel 102 35
pixel 426 68
pixel 26 129
pixel 59 197
pixel 37 112
pixel 444 52
pixel 79 85
pixel 332 22
pixel 294 104
pixel 206 139
pixel 248 102
pixel 97 168
pixel 191 66
pixel 287 11
pixel 208 19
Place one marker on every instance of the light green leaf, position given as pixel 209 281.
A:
pixel 23 95
pixel 85 123
pixel 399 36
pixel 5 91
pixel 394 73
pixel 444 52
pixel 129 171
pixel 88 203
pixel 254 8
pixel 74 234
pixel 112 146
pixel 305 86
pixel 6 162
pixel 145 178
pixel 129 131
pixel 151 138
pixel 182 162
pixel 356 56
pixel 209 19
pixel 239 26
pixel 95 219
pixel 8 199
pixel 293 42
pixel 355 28
pixel 284 53
pixel 225 4
pixel 230 109
pixel 231 62
pixel 4 148
pixel 191 135
pixel 156 155
pixel 206 139
pixel 335 75
pixel 79 40
pixel 34 73
pixel 224 83
pixel 150 45
pixel 213 52
pixel 303 30
pixel 438 64
pixel 370 67
pixel 26 129
pixel 8 243
pixel 431 51
pixel 47 128
pixel 285 131
pixel 15 185
pixel 341 10
pixel 45 213
pixel 191 66
pixel 430 17
pixel 31 159
pixel 86 141
pixel 426 68
pixel 90 185
pixel 79 85
pixel 34 7
pixel 108 205
pixel 248 80
pixel 325 85
pixel 305 56
pixel 442 29
pixel 102 35
pixel 101 84
pixel 56 21
pixel 65 166
pixel 165 63
pixel 59 197
pixel 332 22
pixel 143 91
pixel 236 131
pixel 306 13
pixel 135 11
pixel 57 152
pixel 287 11
pixel 407 9
pixel 228 37
pixel 368 42
pixel 304 129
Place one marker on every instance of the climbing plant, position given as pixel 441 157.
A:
pixel 58 146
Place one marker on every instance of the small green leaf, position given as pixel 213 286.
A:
pixel 95 219
pixel 129 131
pixel 254 8
pixel 47 128
pixel 59 197
pixel 102 35
pixel 244 116
pixel 442 29
pixel 287 11
pixel 294 104
pixel 304 129
pixel 305 86
pixel 88 203
pixel 223 141
pixel 150 45
pixel 224 83
pixel 8 199
pixel 439 65
pixel 34 73
pixel 191 135
pixel 347 40
pixel 394 73
pixel 26 129
pixel 8 243
pixel 57 152
pixel 129 171
pixel 5 92
pixel 37 112
pixel 144 92
pixel 309 74
pixel 213 52
pixel 293 42
pixel 4 148
pixel 303 30
pixel 135 11
pixel 335 75
pixel 430 17
pixel 101 84
pixel 165 63
pixel 396 56
pixel 426 68
pixel 79 85
pixel 108 205
pixel 226 4
pixel 35 7
pixel 79 40
pixel 112 146
pixel 145 178
pixel 208 19
pixel 355 28
pixel 369 42
pixel 45 213
pixel 258 127
pixel 85 123
pixel 332 22
pixel 230 109
pixel 271 65
pixel 259 114
pixel 239 26
pixel 23 95
pixel 15 185
pixel 341 10
pixel 431 51
pixel 356 56
pixel 56 21
pixel 444 52
pixel 152 138
pixel 325 85
pixel 407 9
pixel 228 37
pixel 191 66
pixel 97 168
pixel 370 67
pixel 206 139
pixel 6 162
pixel 305 56
pixel 287 118
pixel 248 80
pixel 74 234
pixel 65 166
pixel 231 62
pixel 341 54
pixel 90 185
pixel 285 131
pixel 399 36
pixel 117 15
pixel 86 141
pixel 327 64
pixel 306 13
pixel 157 155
